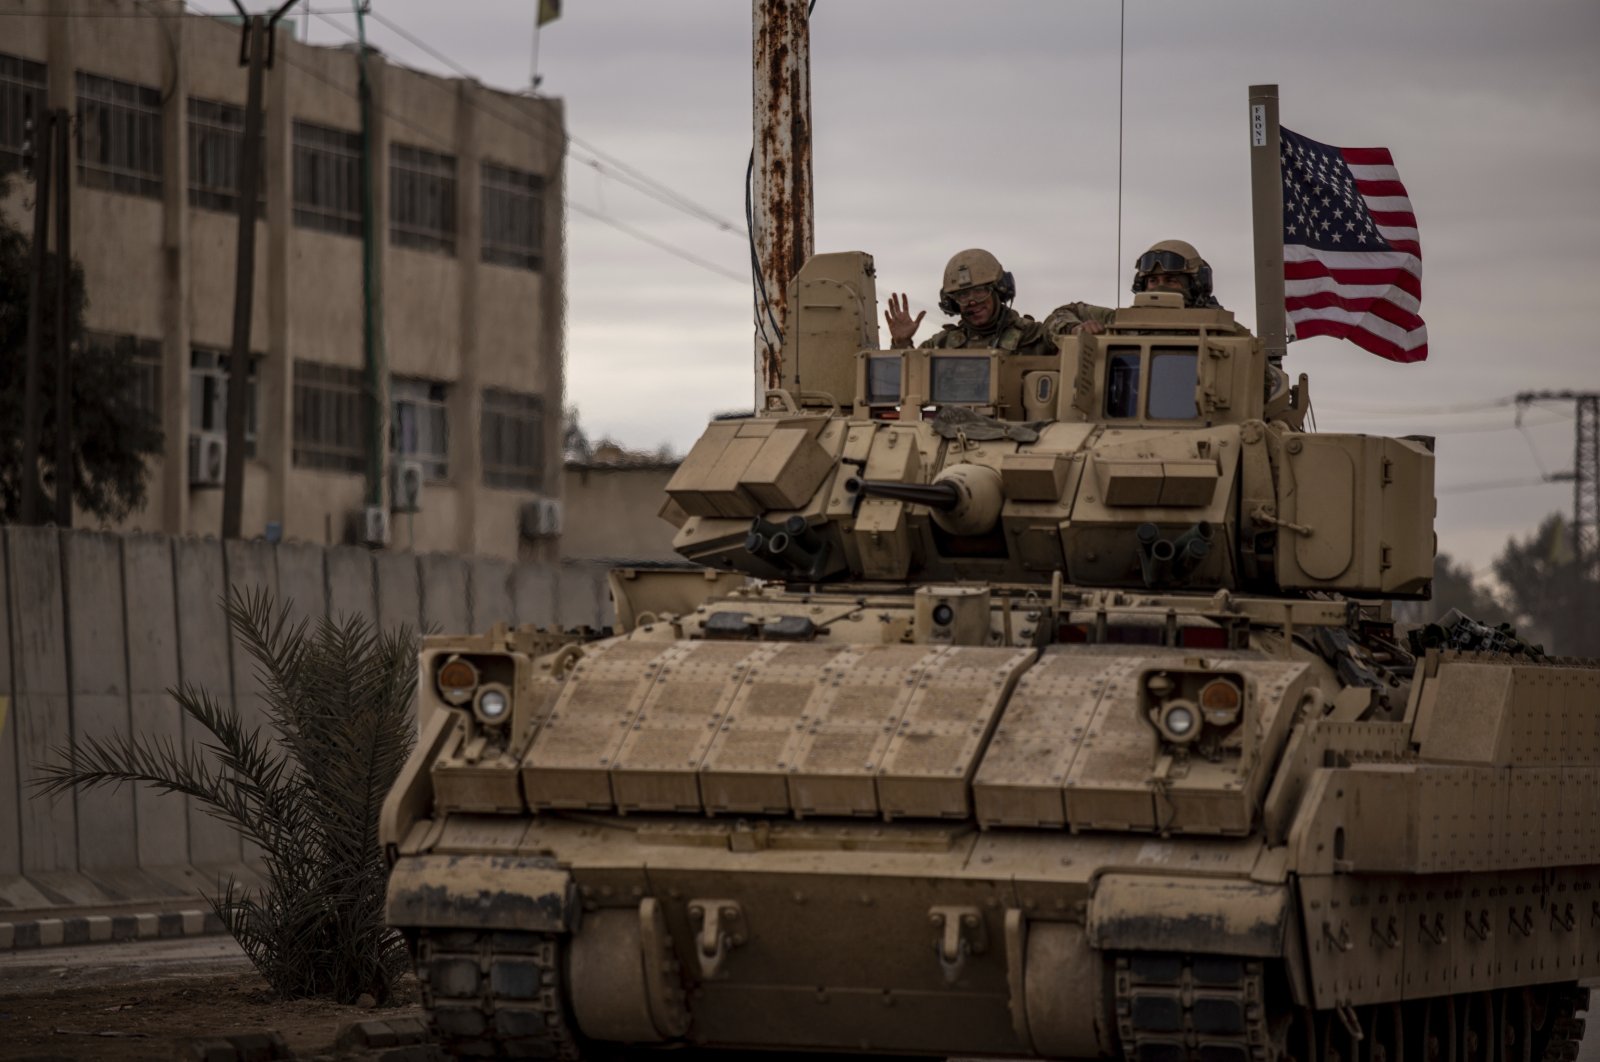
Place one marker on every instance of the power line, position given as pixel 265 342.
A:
pixel 428 134
pixel 153 15
pixel 670 248
pixel 1500 484
pixel 1374 412
pixel 600 161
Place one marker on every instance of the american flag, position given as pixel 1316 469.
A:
pixel 1352 262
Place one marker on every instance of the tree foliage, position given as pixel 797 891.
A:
pixel 1454 586
pixel 112 436
pixel 1555 596
pixel 307 788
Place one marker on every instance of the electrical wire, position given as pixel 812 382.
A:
pixel 664 245
pixel 439 141
pixel 1376 412
pixel 152 15
pixel 1499 484
pixel 599 160
pixel 759 289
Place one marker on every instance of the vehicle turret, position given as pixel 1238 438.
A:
pixel 1166 453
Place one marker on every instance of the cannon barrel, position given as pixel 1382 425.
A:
pixel 942 497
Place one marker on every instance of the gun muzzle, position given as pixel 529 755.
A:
pixel 941 497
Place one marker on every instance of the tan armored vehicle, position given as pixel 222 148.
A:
pixel 1026 706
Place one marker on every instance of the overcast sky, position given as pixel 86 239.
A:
pixel 941 125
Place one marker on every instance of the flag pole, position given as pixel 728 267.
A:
pixel 1266 201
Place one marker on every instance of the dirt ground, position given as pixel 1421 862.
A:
pixel 141 1004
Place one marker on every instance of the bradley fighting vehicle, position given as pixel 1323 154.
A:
pixel 1025 706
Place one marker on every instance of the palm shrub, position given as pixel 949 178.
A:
pixel 306 786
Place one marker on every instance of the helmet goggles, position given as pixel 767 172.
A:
pixel 972 296
pixel 1162 262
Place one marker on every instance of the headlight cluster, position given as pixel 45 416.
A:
pixel 461 682
pixel 1189 707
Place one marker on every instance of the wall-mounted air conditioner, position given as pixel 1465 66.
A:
pixel 541 518
pixel 374 526
pixel 208 458
pixel 405 488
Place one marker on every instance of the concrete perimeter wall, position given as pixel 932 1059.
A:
pixel 96 627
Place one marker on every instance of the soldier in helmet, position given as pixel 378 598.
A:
pixel 1171 265
pixel 978 290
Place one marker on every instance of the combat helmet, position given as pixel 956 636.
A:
pixel 1175 256
pixel 973 268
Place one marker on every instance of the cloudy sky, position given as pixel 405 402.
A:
pixel 941 125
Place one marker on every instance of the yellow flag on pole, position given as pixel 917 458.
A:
pixel 549 11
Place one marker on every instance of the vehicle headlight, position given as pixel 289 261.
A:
pixel 457 681
pixel 493 705
pixel 1220 700
pixel 1179 722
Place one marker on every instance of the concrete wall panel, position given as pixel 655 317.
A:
pixel 583 596
pixel 163 821
pixel 41 709
pixel 444 593
pixel 302 582
pixel 399 593
pixel 10 835
pixel 252 566
pixel 98 662
pixel 491 594
pixel 204 662
pixel 533 591
pixel 350 589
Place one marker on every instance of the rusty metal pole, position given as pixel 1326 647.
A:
pixel 781 203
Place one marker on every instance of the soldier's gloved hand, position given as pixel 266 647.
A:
pixel 902 326
pixel 1088 328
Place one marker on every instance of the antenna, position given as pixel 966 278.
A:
pixel 1122 50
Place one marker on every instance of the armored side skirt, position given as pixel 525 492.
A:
pixel 914 938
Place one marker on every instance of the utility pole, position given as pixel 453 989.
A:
pixel 256 52
pixel 781 223
pixel 64 465
pixel 371 279
pixel 40 151
pixel 1585 510
pixel 1585 472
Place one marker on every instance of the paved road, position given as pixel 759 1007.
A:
pixel 44 969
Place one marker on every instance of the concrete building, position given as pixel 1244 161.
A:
pixel 468 192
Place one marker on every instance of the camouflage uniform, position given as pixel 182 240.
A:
pixel 1063 319
pixel 1012 331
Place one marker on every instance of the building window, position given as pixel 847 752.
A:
pixel 119 135
pixel 513 440
pixel 513 204
pixel 330 417
pixel 422 199
pixel 327 179
pixel 216 146
pixel 419 429
pixel 22 95
pixel 145 357
pixel 208 395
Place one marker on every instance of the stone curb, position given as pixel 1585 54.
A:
pixel 97 929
